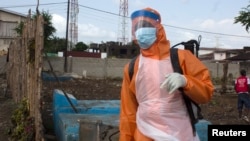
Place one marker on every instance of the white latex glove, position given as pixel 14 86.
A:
pixel 173 81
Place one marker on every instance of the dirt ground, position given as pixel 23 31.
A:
pixel 220 110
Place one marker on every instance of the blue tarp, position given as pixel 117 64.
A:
pixel 50 77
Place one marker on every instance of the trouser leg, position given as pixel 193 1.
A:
pixel 240 113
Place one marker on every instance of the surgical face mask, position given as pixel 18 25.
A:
pixel 145 36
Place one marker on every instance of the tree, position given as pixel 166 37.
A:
pixel 80 46
pixel 244 17
pixel 49 29
pixel 56 44
pixel 19 28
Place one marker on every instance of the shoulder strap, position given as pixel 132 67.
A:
pixel 176 66
pixel 175 60
pixel 131 67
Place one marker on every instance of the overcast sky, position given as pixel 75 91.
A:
pixel 183 20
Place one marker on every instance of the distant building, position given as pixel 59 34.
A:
pixel 116 49
pixel 8 21
pixel 242 55
pixel 218 54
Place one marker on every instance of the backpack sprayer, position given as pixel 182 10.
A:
pixel 190 45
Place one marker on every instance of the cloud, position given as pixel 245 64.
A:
pixel 86 32
pixel 138 4
pixel 225 22
pixel 90 30
pixel 208 39
pixel 208 24
pixel 225 26
pixel 59 23
pixel 230 33
pixel 91 33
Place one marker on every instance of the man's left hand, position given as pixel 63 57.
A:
pixel 173 82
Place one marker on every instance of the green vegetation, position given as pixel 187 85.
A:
pixel 24 128
pixel 80 46
pixel 244 17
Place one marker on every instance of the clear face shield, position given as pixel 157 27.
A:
pixel 144 19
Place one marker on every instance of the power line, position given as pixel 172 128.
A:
pixel 100 10
pixel 208 32
pixel 16 6
pixel 34 5
pixel 223 34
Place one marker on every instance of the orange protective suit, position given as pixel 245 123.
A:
pixel 148 113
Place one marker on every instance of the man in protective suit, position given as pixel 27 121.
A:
pixel 152 107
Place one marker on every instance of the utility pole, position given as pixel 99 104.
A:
pixel 66 50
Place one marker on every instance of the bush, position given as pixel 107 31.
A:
pixel 23 124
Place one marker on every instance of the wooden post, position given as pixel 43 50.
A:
pixel 24 69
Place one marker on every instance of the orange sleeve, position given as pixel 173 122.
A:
pixel 128 108
pixel 199 84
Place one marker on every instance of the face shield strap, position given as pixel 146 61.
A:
pixel 145 13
